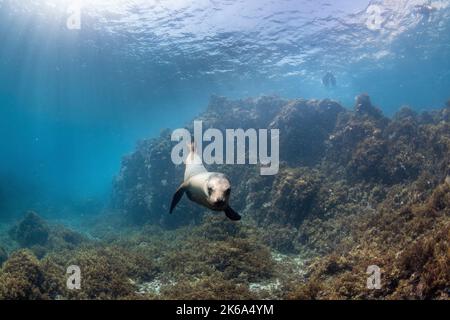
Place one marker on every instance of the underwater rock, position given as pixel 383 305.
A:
pixel 381 150
pixel 409 244
pixel 107 273
pixel 31 230
pixel 139 190
pixel 425 268
pixel 207 288
pixel 305 127
pixel 147 178
pixel 406 114
pixel 61 237
pixel 364 107
pixel 248 113
pixel 218 247
pixel 281 238
pixel 239 259
pixel 366 159
pixel 217 228
pixel 357 143
pixel 368 190
pixel 145 185
pixel 35 234
pixel 3 255
pixel 445 113
pixel 345 147
pixel 291 198
pixel 24 277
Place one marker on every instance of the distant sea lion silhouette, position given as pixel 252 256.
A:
pixel 209 189
pixel 329 80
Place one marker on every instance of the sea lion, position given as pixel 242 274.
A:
pixel 329 80
pixel 209 189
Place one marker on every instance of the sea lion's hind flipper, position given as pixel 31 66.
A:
pixel 231 214
pixel 192 146
pixel 177 197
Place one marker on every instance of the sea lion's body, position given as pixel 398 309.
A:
pixel 208 189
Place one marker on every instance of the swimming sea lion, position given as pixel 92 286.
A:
pixel 329 80
pixel 209 189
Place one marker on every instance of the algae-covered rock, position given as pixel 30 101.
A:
pixel 216 228
pixel 281 238
pixel 289 200
pixel 64 238
pixel 319 137
pixel 148 178
pixel 3 255
pixel 239 259
pixel 304 129
pixel 409 244
pixel 24 277
pixel 36 234
pixel 355 188
pixel 31 230
pixel 102 277
pixel 364 107
pixel 216 246
pixel 213 287
pixel 108 271
pixel 146 183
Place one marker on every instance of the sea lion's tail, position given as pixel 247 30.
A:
pixel 194 164
pixel 192 146
pixel 192 156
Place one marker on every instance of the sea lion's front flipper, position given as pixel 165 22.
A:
pixel 177 197
pixel 231 214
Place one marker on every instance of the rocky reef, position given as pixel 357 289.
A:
pixel 31 230
pixel 354 189
pixel 34 233
pixel 346 180
pixel 210 261
pixel 23 276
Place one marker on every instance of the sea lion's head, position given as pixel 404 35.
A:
pixel 218 189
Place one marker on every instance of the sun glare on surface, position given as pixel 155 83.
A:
pixel 102 5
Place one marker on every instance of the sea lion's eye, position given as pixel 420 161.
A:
pixel 210 190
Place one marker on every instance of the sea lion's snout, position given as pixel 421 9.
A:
pixel 220 203
pixel 218 191
pixel 219 199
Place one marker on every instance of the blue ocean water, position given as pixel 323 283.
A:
pixel 73 102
